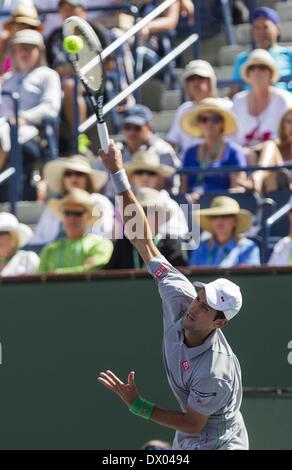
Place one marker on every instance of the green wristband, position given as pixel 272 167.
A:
pixel 142 408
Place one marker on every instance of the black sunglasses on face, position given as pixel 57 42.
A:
pixel 225 216
pixel 69 173
pixel 215 119
pixel 145 172
pixel 67 213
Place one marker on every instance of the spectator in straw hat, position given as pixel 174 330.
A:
pixel 145 170
pixel 61 176
pixel 24 16
pixel 13 236
pixel 79 251
pixel 200 82
pixel 212 120
pixel 225 221
pixel 125 254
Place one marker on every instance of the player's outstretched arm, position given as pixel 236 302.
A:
pixel 189 422
pixel 136 225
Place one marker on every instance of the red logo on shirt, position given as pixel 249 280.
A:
pixel 160 271
pixel 185 365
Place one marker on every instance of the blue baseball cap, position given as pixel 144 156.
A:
pixel 267 13
pixel 138 115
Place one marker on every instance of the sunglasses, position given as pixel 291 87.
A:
pixel 132 127
pixel 215 119
pixel 145 172
pixel 68 173
pixel 258 66
pixel 226 216
pixel 67 213
pixel 3 233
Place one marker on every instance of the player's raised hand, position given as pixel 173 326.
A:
pixel 113 160
pixel 126 391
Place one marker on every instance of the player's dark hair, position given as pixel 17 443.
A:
pixel 219 315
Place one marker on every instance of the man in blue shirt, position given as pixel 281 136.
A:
pixel 225 220
pixel 266 32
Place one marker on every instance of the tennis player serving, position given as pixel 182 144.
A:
pixel 203 372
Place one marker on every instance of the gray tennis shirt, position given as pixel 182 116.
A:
pixel 206 378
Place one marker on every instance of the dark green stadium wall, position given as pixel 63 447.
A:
pixel 56 336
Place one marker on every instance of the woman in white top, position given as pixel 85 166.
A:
pixel 200 83
pixel 13 236
pixel 259 111
pixel 39 88
pixel 282 252
pixel 63 174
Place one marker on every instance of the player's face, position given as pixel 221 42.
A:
pixel 199 317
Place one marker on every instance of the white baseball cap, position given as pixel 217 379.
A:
pixel 223 295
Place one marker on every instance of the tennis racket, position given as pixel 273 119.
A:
pixel 93 80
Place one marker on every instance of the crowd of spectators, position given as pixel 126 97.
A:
pixel 80 228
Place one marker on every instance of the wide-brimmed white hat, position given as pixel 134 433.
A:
pixel 260 57
pixel 202 68
pixel 54 172
pixel 148 160
pixel 9 223
pixel 224 205
pixel 222 295
pixel 79 197
pixel 220 106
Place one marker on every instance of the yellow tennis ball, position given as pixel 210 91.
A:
pixel 73 44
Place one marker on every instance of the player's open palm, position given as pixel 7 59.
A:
pixel 126 391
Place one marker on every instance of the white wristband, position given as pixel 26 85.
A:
pixel 120 181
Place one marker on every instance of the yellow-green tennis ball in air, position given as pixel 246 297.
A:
pixel 73 44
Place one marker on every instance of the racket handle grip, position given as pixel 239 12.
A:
pixel 103 136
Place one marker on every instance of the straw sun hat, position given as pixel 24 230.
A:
pixel 189 122
pixel 148 160
pixel 9 223
pixel 260 57
pixel 54 172
pixel 24 15
pixel 75 196
pixel 224 205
